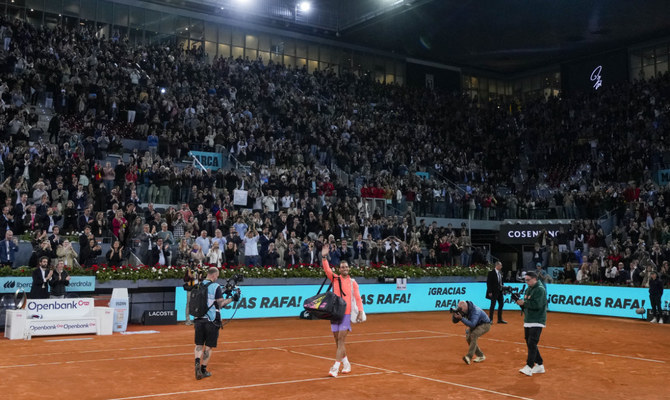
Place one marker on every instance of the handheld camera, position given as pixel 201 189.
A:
pixel 454 311
pixel 230 289
pixel 514 293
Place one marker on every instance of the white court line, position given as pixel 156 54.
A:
pixel 185 345
pixel 595 353
pixel 220 351
pixel 244 386
pixel 467 386
pixel 411 375
pixel 68 340
pixel 330 359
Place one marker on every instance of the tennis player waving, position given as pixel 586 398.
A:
pixel 348 291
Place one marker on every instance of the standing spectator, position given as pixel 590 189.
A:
pixel 8 248
pixel 204 242
pixel 160 254
pixel 251 248
pixel 41 278
pixel 67 254
pixel 59 280
pixel 115 254
pixel 655 295
pixel 89 254
pixel 215 255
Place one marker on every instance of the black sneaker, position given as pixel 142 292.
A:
pixel 198 371
pixel 206 374
pixel 502 322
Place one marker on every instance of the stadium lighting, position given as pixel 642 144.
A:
pixel 304 6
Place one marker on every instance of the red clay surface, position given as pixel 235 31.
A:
pixel 394 356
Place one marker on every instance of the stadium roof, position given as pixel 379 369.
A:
pixel 505 36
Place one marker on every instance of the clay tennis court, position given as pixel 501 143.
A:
pixel 408 356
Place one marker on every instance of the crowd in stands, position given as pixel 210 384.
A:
pixel 569 158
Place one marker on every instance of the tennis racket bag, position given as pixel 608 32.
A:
pixel 326 305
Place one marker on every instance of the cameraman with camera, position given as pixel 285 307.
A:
pixel 478 324
pixel 207 327
pixel 534 306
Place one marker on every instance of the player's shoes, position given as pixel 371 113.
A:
pixel 479 359
pixel 653 321
pixel 526 370
pixel 206 374
pixel 466 359
pixel 198 371
pixel 346 368
pixel 538 369
pixel 333 371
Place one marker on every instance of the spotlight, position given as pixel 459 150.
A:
pixel 304 6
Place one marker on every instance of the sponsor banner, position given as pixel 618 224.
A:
pixel 526 233
pixel 60 308
pixel 159 317
pixel 10 284
pixel 65 327
pixel 286 301
pixel 211 161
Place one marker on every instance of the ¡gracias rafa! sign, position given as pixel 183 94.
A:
pixel 286 301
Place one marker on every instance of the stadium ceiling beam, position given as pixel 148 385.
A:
pixel 395 7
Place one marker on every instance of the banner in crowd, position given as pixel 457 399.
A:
pixel 423 175
pixel 240 197
pixel 60 308
pixel 526 233
pixel 212 161
pixel 286 301
pixel 10 284
pixel 663 177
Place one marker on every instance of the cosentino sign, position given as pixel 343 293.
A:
pixel 527 233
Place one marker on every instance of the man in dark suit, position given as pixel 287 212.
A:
pixel 310 255
pixel 8 248
pixel 394 255
pixel 6 222
pixel 377 253
pixel 360 250
pixel 494 284
pixel 41 275
pixel 84 219
pixel 159 254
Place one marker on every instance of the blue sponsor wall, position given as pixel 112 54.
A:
pixel 286 301
pixel 10 284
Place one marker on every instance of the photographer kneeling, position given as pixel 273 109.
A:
pixel 478 323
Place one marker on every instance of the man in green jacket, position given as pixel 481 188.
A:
pixel 534 306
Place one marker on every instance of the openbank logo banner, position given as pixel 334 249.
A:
pixel 9 284
pixel 46 327
pixel 60 308
pixel 526 234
